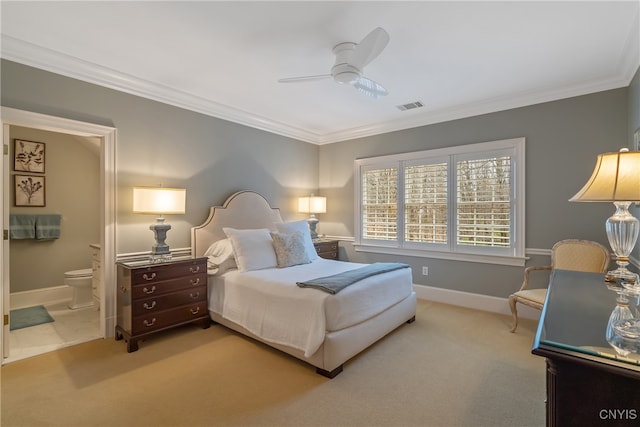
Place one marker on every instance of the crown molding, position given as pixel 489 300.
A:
pixel 483 107
pixel 17 50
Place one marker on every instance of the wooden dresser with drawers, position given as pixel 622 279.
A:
pixel 326 248
pixel 154 297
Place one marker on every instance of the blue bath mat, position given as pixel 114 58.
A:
pixel 30 316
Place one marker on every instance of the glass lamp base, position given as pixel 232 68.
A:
pixel 622 232
pixel 626 336
pixel 621 274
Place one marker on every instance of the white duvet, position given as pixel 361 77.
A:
pixel 270 305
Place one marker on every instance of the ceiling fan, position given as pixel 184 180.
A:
pixel 350 60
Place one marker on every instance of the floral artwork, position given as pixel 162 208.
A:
pixel 29 190
pixel 28 156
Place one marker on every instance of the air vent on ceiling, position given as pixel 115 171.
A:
pixel 410 106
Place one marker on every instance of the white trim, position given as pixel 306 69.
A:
pixel 528 251
pixel 108 138
pixel 513 255
pixel 453 256
pixel 536 251
pixel 37 56
pixel 51 295
pixel 45 59
pixel 141 256
pixel 474 301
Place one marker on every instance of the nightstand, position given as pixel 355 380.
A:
pixel 156 297
pixel 326 248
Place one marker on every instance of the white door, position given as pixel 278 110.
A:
pixel 4 250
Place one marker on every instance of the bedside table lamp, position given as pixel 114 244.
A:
pixel 616 178
pixel 312 205
pixel 160 201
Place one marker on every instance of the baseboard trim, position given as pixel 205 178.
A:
pixel 57 294
pixel 475 301
pixel 54 294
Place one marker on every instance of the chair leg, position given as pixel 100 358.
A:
pixel 514 312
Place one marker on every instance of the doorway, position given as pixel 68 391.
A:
pixel 107 140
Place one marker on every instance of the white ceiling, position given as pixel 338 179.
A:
pixel 224 58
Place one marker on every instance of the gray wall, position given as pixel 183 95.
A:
pixel 634 106
pixel 563 139
pixel 162 144
pixel 72 187
pixel 213 158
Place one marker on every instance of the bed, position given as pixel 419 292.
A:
pixel 256 296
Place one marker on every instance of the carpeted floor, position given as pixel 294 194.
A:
pixel 452 367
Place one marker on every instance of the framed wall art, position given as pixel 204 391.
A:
pixel 28 156
pixel 29 190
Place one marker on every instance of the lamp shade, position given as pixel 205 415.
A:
pixel 313 204
pixel 159 200
pixel 616 177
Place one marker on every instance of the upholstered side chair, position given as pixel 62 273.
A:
pixel 570 254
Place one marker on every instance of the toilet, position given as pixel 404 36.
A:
pixel 81 283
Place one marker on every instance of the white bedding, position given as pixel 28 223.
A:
pixel 269 304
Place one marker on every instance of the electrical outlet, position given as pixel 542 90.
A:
pixel 425 271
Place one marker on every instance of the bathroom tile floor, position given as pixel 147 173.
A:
pixel 69 327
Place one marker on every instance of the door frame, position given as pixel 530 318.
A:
pixel 107 136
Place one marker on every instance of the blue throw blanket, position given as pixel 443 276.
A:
pixel 337 282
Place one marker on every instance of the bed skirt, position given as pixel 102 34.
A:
pixel 340 346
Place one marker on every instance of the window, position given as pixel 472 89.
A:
pixel 380 204
pixel 464 202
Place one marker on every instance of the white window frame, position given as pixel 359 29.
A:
pixel 514 255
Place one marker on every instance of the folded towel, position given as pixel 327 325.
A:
pixel 22 226
pixel 335 283
pixel 48 226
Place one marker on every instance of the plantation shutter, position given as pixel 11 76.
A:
pixel 380 204
pixel 483 205
pixel 425 205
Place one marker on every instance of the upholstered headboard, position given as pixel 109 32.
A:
pixel 244 209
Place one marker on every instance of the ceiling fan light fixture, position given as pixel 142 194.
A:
pixel 346 77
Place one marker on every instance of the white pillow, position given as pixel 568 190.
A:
pixel 220 257
pixel 252 248
pixel 290 249
pixel 302 226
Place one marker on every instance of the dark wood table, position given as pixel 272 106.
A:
pixel 588 383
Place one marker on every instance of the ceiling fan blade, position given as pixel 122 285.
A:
pixel 304 78
pixel 369 87
pixel 369 48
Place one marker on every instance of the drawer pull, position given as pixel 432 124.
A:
pixel 195 269
pixel 195 296
pixel 147 323
pixel 149 290
pixel 195 282
pixel 194 311
pixel 149 306
pixel 150 277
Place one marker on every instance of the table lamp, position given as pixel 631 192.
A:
pixel 312 205
pixel 616 178
pixel 160 201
